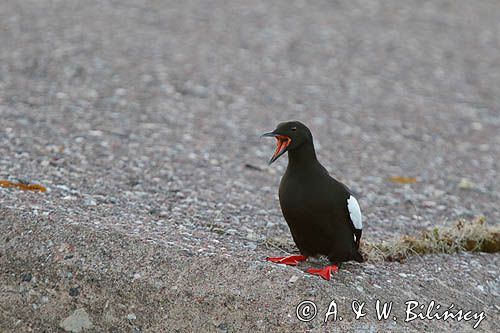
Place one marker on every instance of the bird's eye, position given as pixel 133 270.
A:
pixel 294 128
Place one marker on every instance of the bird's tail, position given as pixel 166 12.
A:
pixel 357 256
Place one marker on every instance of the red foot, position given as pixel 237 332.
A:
pixel 289 260
pixel 325 273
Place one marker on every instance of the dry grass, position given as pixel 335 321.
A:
pixel 473 236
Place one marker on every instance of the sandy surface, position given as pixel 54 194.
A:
pixel 142 119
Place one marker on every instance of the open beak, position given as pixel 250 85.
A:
pixel 282 143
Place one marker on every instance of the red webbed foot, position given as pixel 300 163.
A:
pixel 325 273
pixel 289 260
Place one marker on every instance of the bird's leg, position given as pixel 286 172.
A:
pixel 325 272
pixel 288 260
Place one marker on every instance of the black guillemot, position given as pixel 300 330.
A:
pixel 323 215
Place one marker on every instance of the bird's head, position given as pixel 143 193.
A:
pixel 289 136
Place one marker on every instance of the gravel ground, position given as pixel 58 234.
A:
pixel 142 119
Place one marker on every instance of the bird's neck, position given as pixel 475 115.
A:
pixel 304 156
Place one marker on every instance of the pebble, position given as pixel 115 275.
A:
pixel 231 231
pixel 429 204
pixel 89 202
pixel 77 322
pixel 477 126
pixel 252 236
pixel 484 147
pixel 465 184
pixel 75 291
pixel 26 277
pixel 222 327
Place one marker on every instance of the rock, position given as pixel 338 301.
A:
pixel 131 316
pixel 77 322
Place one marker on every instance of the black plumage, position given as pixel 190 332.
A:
pixel 321 212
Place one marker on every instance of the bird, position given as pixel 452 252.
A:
pixel 322 214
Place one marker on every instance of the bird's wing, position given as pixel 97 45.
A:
pixel 355 212
pixel 356 218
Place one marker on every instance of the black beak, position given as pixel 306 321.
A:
pixel 270 134
pixel 282 144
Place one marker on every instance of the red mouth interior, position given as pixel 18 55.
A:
pixel 282 142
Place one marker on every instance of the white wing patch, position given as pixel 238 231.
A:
pixel 355 212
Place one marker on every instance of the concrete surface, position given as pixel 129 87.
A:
pixel 142 118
